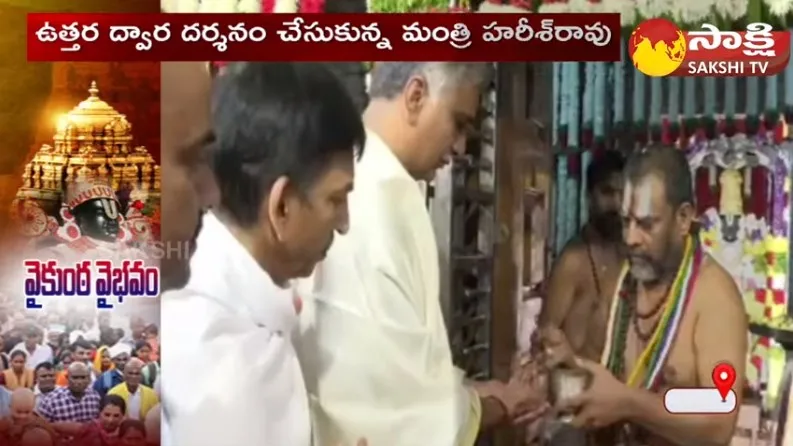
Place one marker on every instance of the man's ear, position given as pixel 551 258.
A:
pixel 686 217
pixel 415 94
pixel 273 209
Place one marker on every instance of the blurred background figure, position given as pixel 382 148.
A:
pixel 40 349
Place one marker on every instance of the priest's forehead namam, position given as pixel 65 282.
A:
pixel 658 182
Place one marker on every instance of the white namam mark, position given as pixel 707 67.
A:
pixel 644 200
pixel 627 196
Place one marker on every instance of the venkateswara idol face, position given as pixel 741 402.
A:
pixel 98 219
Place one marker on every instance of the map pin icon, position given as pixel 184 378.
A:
pixel 723 378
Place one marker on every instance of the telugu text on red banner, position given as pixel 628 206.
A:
pixel 323 37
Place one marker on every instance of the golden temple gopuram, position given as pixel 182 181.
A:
pixel 91 141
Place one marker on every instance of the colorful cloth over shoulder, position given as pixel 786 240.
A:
pixel 647 370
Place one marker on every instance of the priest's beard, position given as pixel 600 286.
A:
pixel 656 270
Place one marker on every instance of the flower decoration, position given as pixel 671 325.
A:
pixel 138 204
pixel 155 216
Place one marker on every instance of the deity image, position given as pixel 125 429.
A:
pixel 743 200
pixel 96 210
pixel 92 189
pixel 735 219
pixel 92 227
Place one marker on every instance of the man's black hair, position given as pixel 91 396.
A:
pixel 46 365
pixel 277 119
pixel 33 330
pixel 139 345
pixel 670 165
pixel 602 167
pixel 113 400
pixel 80 343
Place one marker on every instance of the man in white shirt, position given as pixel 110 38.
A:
pixel 34 347
pixel 186 138
pixel 286 136
pixel 376 358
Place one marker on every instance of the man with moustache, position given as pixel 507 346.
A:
pixel 672 293
pixel 187 179
pixel 286 140
pixel 584 276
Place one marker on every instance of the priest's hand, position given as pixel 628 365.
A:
pixel 602 404
pixel 555 348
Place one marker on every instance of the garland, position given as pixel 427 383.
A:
pixel 726 14
pixel 211 6
pixel 647 370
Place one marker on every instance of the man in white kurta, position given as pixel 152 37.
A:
pixel 380 366
pixel 231 373
pixel 373 345
pixel 283 156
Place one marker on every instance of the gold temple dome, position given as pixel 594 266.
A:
pixel 92 141
pixel 93 116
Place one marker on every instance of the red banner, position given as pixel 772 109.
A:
pixel 324 37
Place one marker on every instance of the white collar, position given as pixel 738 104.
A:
pixel 379 160
pixel 224 270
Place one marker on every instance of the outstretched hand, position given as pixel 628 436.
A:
pixel 526 391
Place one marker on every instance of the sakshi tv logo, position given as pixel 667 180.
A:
pixel 659 48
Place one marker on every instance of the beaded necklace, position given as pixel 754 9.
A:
pixel 647 369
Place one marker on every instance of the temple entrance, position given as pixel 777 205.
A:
pixel 490 210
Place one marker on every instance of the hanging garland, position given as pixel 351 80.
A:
pixel 404 6
pixel 243 6
pixel 211 6
pixel 726 14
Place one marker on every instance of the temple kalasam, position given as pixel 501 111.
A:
pixel 92 141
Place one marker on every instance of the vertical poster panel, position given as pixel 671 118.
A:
pixel 79 218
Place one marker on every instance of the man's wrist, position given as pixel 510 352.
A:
pixel 630 403
pixel 494 411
